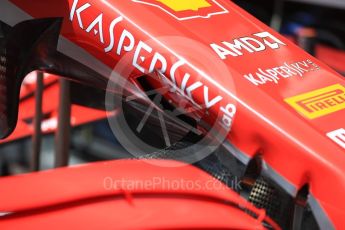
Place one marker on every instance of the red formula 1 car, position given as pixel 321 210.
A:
pixel 252 104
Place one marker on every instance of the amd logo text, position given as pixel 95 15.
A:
pixel 256 43
pixel 338 136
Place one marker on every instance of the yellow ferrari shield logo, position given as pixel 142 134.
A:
pixel 187 9
pixel 182 5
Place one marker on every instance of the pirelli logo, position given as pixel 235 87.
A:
pixel 320 102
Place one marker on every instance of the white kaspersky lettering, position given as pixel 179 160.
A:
pixel 209 104
pixel 78 11
pixel 191 88
pixel 228 117
pixel 173 78
pixel 158 58
pixel 126 43
pixel 131 42
pixel 97 27
pixel 338 136
pixel 111 32
pixel 275 74
pixel 97 22
pixel 141 46
pixel 183 89
pixel 228 111
pixel 188 90
pixel 256 43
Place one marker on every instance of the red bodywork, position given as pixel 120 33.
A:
pixel 301 140
pixel 114 195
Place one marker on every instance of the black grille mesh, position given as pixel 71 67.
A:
pixel 266 197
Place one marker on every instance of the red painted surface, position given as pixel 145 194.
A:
pixel 332 57
pixel 115 195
